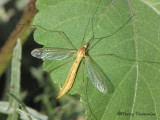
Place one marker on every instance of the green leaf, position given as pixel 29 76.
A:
pixel 136 84
pixel 23 115
pixel 153 4
pixel 15 78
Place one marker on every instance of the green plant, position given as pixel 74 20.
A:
pixel 135 84
pixel 137 40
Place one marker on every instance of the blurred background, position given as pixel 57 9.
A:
pixel 36 89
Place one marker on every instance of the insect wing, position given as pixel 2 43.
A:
pixel 95 76
pixel 51 53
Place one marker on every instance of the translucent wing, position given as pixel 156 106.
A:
pixel 51 53
pixel 95 76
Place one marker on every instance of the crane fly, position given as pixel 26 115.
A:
pixel 60 54
pixel 98 80
pixel 94 74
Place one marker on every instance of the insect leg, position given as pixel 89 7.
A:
pixel 101 38
pixel 61 65
pixel 59 32
pixel 90 112
pixel 90 20
pixel 133 60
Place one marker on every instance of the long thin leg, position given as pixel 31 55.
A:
pixel 101 38
pixel 86 92
pixel 114 55
pixel 91 18
pixel 59 32
pixel 106 11
pixel 61 65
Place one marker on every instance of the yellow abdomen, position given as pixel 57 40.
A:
pixel 71 76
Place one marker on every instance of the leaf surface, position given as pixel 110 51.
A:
pixel 136 85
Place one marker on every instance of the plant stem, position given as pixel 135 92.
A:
pixel 21 31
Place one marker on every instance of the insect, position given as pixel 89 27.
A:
pixel 95 76
pixel 98 80
pixel 49 54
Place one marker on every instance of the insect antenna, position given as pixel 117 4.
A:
pixel 61 33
